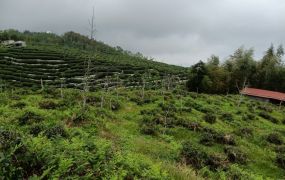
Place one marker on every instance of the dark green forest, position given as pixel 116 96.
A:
pixel 239 70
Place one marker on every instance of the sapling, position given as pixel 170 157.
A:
pixel 86 81
pixel 42 84
pixel 61 88
pixel 143 87
pixel 1 85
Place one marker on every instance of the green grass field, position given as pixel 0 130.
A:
pixel 166 135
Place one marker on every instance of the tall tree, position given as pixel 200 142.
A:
pixel 241 67
pixel 92 25
pixel 198 71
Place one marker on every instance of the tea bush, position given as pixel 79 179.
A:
pixel 19 105
pixel 227 117
pixel 193 156
pixel 29 118
pixel 235 155
pixel 210 118
pixel 149 126
pixel 244 132
pixel 47 104
pixel 275 138
pixel 268 117
pixel 207 139
pixel 280 159
pixel 55 131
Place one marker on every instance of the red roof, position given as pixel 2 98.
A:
pixel 264 93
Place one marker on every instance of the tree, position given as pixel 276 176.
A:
pixel 198 71
pixel 242 67
pixel 87 74
pixel 217 75
pixel 86 82
pixel 269 69
pixel 206 84
pixel 92 25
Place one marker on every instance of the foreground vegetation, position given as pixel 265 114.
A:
pixel 121 134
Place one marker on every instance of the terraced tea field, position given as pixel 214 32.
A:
pixel 32 66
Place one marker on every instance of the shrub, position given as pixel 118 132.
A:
pixel 14 97
pixel 36 129
pixel 20 163
pixel 8 139
pixel 239 112
pixel 199 159
pixel 220 137
pixel 280 149
pixel 280 159
pixel 115 106
pixel 265 108
pixel 235 155
pixel 19 105
pixel 29 118
pixel 216 161
pixel 55 131
pixel 78 118
pixel 251 108
pixel 227 117
pixel 150 112
pixel 207 110
pixel 268 117
pixel 210 118
pixel 246 132
pixel 170 106
pixel 189 103
pixel 248 116
pixel 50 92
pixel 149 127
pixel 16 161
pixel 193 156
pixel 193 126
pixel 275 138
pixel 48 104
pixel 227 139
pixel 283 121
pixel 185 109
pixel 141 101
pixel 93 100
pixel 207 139
pixel 237 173
pixel 134 166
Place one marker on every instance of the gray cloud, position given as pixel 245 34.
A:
pixel 177 32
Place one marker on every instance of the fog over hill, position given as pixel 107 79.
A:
pixel 177 32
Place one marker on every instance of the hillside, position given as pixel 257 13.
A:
pixel 137 119
pixel 57 60
pixel 168 135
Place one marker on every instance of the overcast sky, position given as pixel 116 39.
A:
pixel 179 32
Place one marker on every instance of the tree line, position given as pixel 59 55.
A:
pixel 239 70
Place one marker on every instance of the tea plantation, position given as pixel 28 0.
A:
pixel 56 66
pixel 168 134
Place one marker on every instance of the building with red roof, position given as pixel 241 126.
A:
pixel 265 95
